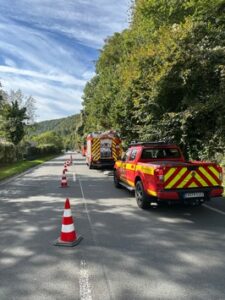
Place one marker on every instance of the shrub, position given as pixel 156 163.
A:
pixel 8 152
pixel 48 149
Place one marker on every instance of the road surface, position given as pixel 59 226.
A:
pixel 126 254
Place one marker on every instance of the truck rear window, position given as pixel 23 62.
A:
pixel 160 153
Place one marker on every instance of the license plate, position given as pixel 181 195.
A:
pixel 194 195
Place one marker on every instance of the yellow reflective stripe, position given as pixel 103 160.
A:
pixel 95 141
pixel 185 181
pixel 145 169
pixel 214 171
pixel 118 163
pixel 96 155
pixel 114 154
pixel 153 193
pixel 193 185
pixel 169 173
pixel 131 183
pixel 176 178
pixel 130 167
pixel 201 180
pixel 96 151
pixel 208 176
pixel 96 147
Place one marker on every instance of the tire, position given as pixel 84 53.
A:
pixel 116 180
pixel 142 198
pixel 90 166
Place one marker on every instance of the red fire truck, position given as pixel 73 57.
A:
pixel 103 149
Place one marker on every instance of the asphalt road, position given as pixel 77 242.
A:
pixel 127 254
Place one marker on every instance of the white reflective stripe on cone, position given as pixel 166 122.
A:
pixel 68 228
pixel 67 213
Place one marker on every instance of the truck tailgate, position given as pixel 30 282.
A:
pixel 191 176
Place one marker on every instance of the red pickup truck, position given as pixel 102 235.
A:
pixel 158 172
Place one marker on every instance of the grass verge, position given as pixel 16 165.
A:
pixel 10 170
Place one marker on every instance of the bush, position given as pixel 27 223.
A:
pixel 48 149
pixel 41 150
pixel 8 152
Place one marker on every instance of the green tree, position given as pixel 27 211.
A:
pixel 49 138
pixel 28 102
pixel 14 122
pixel 164 77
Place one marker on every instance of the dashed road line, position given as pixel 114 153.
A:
pixel 85 288
pixel 94 239
pixel 74 177
pixel 214 209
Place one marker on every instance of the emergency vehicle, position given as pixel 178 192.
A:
pixel 103 149
pixel 158 172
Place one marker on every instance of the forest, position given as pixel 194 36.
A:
pixel 64 127
pixel 163 78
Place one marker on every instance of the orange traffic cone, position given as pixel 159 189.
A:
pixel 65 167
pixel 64 182
pixel 68 163
pixel 68 236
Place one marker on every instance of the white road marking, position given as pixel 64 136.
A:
pixel 85 288
pixel 214 209
pixel 74 177
pixel 87 212
pixel 94 239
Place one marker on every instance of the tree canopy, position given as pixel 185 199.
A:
pixel 164 77
pixel 15 112
pixel 14 122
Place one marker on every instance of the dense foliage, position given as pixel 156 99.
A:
pixel 8 152
pixel 66 128
pixel 164 77
pixel 14 119
pixel 16 111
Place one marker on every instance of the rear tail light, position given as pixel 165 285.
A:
pixel 159 174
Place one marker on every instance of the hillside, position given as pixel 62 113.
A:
pixel 65 127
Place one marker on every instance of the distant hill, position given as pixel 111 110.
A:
pixel 65 127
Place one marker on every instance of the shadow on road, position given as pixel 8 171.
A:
pixel 176 248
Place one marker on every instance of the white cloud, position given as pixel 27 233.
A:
pixel 10 62
pixel 62 78
pixel 55 100
pixel 87 75
pixel 48 48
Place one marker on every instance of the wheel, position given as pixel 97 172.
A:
pixel 116 180
pixel 90 166
pixel 141 196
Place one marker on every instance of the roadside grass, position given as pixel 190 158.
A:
pixel 10 170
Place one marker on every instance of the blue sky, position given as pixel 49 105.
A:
pixel 48 48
